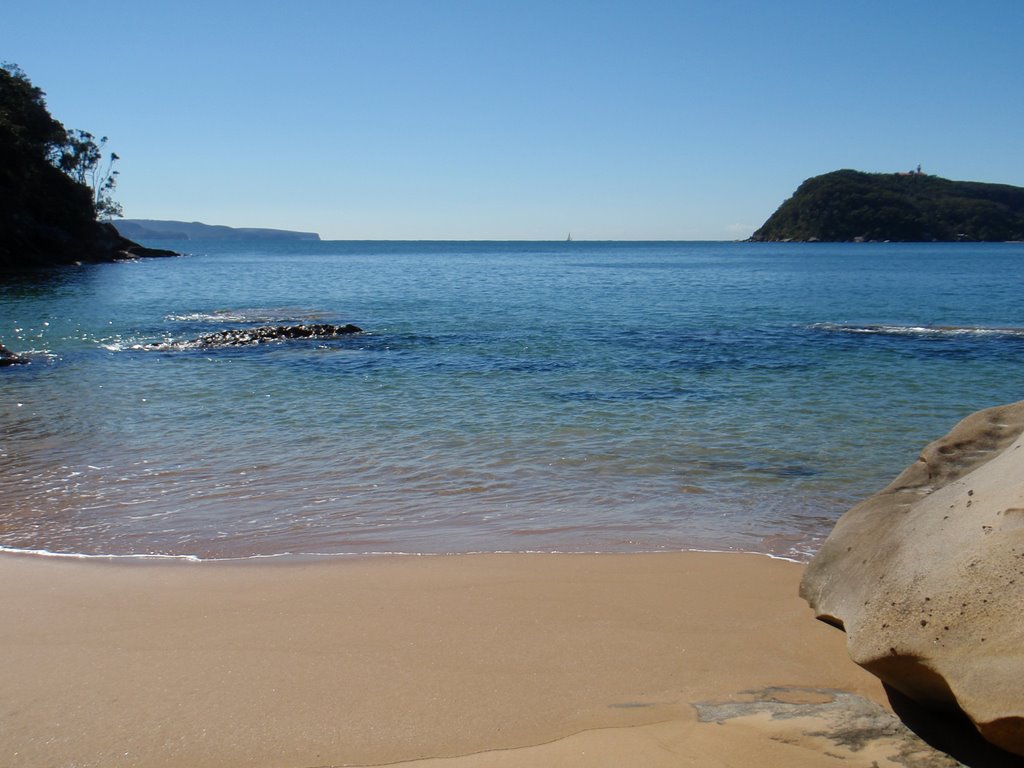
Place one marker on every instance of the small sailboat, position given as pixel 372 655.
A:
pixel 569 238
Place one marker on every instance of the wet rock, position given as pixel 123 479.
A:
pixel 10 358
pixel 236 337
pixel 836 723
pixel 927 576
pixel 134 251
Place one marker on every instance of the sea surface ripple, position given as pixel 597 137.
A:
pixel 501 397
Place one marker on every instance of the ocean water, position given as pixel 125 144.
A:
pixel 505 396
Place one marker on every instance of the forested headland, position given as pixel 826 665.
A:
pixel 56 185
pixel 853 206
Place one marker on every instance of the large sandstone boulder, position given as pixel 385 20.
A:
pixel 927 576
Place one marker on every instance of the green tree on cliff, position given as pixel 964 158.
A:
pixel 82 159
pixel 25 123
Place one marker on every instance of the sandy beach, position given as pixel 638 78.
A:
pixel 463 661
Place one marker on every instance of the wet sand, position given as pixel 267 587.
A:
pixel 453 661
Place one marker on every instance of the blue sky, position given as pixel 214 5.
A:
pixel 522 120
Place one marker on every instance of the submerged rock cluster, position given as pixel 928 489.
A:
pixel 927 576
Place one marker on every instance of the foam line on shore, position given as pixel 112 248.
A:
pixel 27 552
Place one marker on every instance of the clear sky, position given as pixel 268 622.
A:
pixel 437 119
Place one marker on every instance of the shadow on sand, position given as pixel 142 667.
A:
pixel 951 733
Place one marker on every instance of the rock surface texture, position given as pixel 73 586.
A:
pixel 927 576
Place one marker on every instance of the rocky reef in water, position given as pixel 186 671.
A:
pixel 231 337
pixel 238 337
pixel 927 577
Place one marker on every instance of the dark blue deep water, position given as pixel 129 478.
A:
pixel 504 396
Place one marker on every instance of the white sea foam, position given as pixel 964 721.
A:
pixel 253 315
pixel 372 553
pixel 918 330
pixel 83 556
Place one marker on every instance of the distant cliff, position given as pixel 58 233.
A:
pixel 156 229
pixel 845 206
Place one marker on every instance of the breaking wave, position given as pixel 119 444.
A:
pixel 920 331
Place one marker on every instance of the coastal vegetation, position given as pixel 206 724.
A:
pixel 57 185
pixel 853 206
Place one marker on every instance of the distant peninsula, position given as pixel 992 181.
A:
pixel 157 229
pixel 853 206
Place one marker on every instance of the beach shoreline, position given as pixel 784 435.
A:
pixel 460 660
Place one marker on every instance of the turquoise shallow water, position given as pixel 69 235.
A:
pixel 505 396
